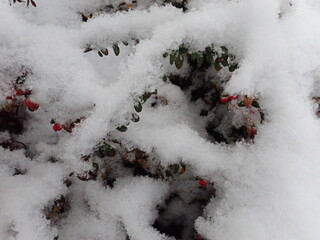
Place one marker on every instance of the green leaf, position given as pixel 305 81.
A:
pixel 100 54
pixel 179 61
pixel 135 117
pixel 255 104
pixel 95 166
pixel 172 58
pixel 217 65
pixel 199 60
pixel 125 43
pixel 105 51
pixel 176 168
pixel 209 57
pixel 145 97
pixel 233 67
pixel 165 78
pixel 183 50
pixel 116 49
pixel 208 50
pixel 165 55
pixel 224 60
pixel 241 104
pixel 62 198
pixel 138 106
pixel 224 49
pixel 232 57
pixel 108 150
pixel 193 56
pixel 122 128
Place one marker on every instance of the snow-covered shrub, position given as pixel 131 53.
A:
pixel 159 119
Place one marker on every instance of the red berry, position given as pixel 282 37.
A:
pixel 224 100
pixel 200 237
pixel 20 92
pixel 253 131
pixel 57 127
pixel 32 106
pixel 202 183
pixel 233 97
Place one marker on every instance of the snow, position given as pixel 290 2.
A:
pixel 265 190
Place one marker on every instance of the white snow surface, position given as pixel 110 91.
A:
pixel 269 189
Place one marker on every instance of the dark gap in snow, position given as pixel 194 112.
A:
pixel 219 119
pixel 229 119
pixel 11 121
pixel 182 4
pixel 183 206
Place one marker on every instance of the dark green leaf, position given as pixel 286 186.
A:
pixel 232 57
pixel 183 50
pixel 105 51
pixel 217 65
pixel 138 106
pixel 233 67
pixel 255 104
pixel 224 49
pixel 125 43
pixel 100 53
pixel 116 49
pixel 179 61
pixel 165 54
pixel 62 198
pixel 95 166
pixel 145 97
pixel 176 168
pixel 208 50
pixel 199 60
pixel 108 150
pixel 135 117
pixel 209 57
pixel 165 78
pixel 172 58
pixel 193 56
pixel 122 128
pixel 241 104
pixel 224 60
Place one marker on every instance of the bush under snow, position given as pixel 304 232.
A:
pixel 159 119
